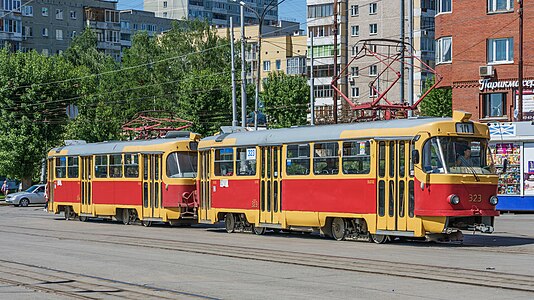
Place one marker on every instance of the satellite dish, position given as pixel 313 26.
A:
pixel 72 111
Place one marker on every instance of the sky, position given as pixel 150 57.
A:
pixel 290 10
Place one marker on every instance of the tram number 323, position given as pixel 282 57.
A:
pixel 477 198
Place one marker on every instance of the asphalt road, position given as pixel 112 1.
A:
pixel 44 257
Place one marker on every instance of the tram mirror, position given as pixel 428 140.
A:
pixel 504 165
pixel 415 156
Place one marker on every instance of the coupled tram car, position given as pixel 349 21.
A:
pixel 144 180
pixel 416 178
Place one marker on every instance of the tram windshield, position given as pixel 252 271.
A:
pixel 182 165
pixel 457 155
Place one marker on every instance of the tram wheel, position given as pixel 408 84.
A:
pixel 82 218
pixel 229 222
pixel 379 238
pixel 69 213
pixel 126 216
pixel 258 230
pixel 339 229
pixel 146 223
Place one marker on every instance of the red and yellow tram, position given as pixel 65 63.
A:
pixel 417 178
pixel 147 180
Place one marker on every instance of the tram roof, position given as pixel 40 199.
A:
pixel 318 133
pixel 113 146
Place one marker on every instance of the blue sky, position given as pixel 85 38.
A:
pixel 292 10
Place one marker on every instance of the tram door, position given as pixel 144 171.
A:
pixel 151 185
pixel 271 185
pixel 86 165
pixel 392 189
pixel 50 183
pixel 205 190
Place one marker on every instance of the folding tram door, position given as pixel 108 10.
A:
pixel 394 188
pixel 86 209
pixel 205 187
pixel 271 186
pixel 50 184
pixel 151 188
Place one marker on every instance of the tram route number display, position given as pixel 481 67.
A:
pixel 251 153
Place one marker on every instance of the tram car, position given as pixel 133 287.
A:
pixel 415 178
pixel 146 180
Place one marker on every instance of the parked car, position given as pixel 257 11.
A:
pixel 33 195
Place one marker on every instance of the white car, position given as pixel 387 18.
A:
pixel 33 195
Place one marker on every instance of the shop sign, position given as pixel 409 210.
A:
pixel 500 129
pixel 486 84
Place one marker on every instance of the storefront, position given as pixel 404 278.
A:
pixel 514 142
pixel 499 99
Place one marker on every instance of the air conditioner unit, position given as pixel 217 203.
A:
pixel 485 71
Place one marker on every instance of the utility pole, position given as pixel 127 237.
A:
pixel 243 72
pixel 336 30
pixel 402 38
pixel 312 89
pixel 258 79
pixel 234 97
pixel 520 75
pixel 411 61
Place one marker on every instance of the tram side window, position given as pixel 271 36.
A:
pixel 72 168
pixel 61 167
pixel 246 161
pixel 131 165
pixel 298 159
pixel 431 158
pixel 182 165
pixel 326 158
pixel 224 162
pixel 101 166
pixel 115 166
pixel 356 157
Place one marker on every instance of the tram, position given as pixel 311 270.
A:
pixel 146 180
pixel 411 178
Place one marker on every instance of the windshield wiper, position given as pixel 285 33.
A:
pixel 468 165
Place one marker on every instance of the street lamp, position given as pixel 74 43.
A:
pixel 261 18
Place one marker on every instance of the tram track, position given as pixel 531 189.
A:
pixel 464 276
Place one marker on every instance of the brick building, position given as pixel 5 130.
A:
pixel 477 47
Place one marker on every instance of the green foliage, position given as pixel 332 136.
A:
pixel 438 103
pixel 285 99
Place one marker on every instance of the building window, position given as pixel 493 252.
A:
pixel 500 50
pixel 323 91
pixel 373 28
pixel 373 70
pixel 500 5
pixel 296 65
pixel 27 11
pixel 165 14
pixel 73 14
pixel 355 92
pixel 164 4
pixel 278 65
pixel 27 31
pixel 373 8
pixel 266 65
pixel 45 52
pixel 44 11
pixel 355 30
pixel 321 10
pixel 73 34
pixel 354 71
pixel 45 32
pixel 444 6
pixel 59 34
pixel 354 10
pixel 372 92
pixel 354 50
pixel 494 105
pixel 444 50
pixel 59 14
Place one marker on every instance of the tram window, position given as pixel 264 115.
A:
pixel 391 159
pixel 411 199
pixel 432 162
pixel 182 165
pixel 131 165
pixel 326 158
pixel 412 147
pixel 382 159
pixel 402 159
pixel 391 205
pixel 246 161
pixel 72 167
pixel 356 157
pixel 224 162
pixel 401 198
pixel 298 159
pixel 381 198
pixel 61 167
pixel 101 166
pixel 115 166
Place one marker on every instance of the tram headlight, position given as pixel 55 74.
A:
pixel 493 200
pixel 454 199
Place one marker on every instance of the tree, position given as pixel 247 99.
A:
pixel 438 103
pixel 285 99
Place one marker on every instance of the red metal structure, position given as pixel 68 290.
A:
pixel 155 124
pixel 393 53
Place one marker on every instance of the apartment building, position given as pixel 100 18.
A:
pixel 11 24
pixel 477 52
pixel 216 12
pixel 362 20
pixel 139 20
